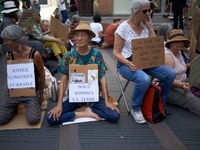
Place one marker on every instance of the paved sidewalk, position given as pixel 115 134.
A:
pixel 179 131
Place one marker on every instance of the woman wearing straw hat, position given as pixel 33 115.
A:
pixel 83 55
pixel 180 92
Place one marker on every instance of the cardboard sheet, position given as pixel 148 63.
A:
pixel 148 52
pixel 194 71
pixel 195 26
pixel 58 30
pixel 19 122
pixel 22 91
pixel 193 43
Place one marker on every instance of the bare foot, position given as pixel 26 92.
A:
pixel 81 108
pixel 87 112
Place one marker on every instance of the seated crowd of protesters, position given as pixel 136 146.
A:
pixel 56 43
pixel 172 76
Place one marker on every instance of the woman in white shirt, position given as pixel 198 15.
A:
pixel 139 25
pixel 97 28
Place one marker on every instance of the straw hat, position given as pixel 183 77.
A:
pixel 83 26
pixel 9 6
pixel 175 36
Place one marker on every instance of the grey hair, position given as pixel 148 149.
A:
pixel 13 33
pixel 75 18
pixel 137 4
pixel 163 29
pixel 43 21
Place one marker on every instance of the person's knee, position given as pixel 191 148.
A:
pixel 171 74
pixel 114 117
pixel 33 120
pixel 144 80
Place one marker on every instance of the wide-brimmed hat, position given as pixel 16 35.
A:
pixel 9 6
pixel 83 26
pixel 175 36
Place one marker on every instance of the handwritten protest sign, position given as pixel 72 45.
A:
pixel 193 43
pixel 21 78
pixel 148 52
pixel 194 71
pixel 28 18
pixel 83 83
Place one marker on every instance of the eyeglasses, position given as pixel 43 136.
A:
pixel 145 11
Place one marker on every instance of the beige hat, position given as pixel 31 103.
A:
pixel 175 36
pixel 9 6
pixel 83 26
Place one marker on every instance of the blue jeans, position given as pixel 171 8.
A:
pixel 165 74
pixel 65 16
pixel 99 108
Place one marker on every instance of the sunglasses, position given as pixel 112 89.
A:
pixel 145 10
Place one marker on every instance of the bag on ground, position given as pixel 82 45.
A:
pixel 152 107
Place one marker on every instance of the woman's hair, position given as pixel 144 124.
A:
pixel 43 21
pixel 75 18
pixel 12 15
pixel 13 33
pixel 117 19
pixel 97 18
pixel 163 29
pixel 58 16
pixel 137 4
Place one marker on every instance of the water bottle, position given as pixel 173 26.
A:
pixel 54 92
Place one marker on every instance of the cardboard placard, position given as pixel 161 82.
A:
pixel 195 26
pixel 28 18
pixel 148 52
pixel 18 92
pixel 58 30
pixel 194 71
pixel 105 25
pixel 193 43
pixel 83 83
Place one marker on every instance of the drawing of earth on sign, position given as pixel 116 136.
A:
pixel 93 77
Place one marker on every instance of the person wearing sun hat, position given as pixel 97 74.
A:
pixel 83 55
pixel 9 18
pixel 180 91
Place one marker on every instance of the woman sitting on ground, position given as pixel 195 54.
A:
pixel 56 43
pixel 180 92
pixel 83 55
pixel 139 26
pixel 97 28
pixel 110 32
pixel 15 39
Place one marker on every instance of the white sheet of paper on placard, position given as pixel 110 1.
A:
pixel 85 92
pixel 20 76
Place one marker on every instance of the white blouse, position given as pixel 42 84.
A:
pixel 127 33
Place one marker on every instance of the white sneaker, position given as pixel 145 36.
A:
pixel 138 116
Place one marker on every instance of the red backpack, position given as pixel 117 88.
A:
pixel 152 106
